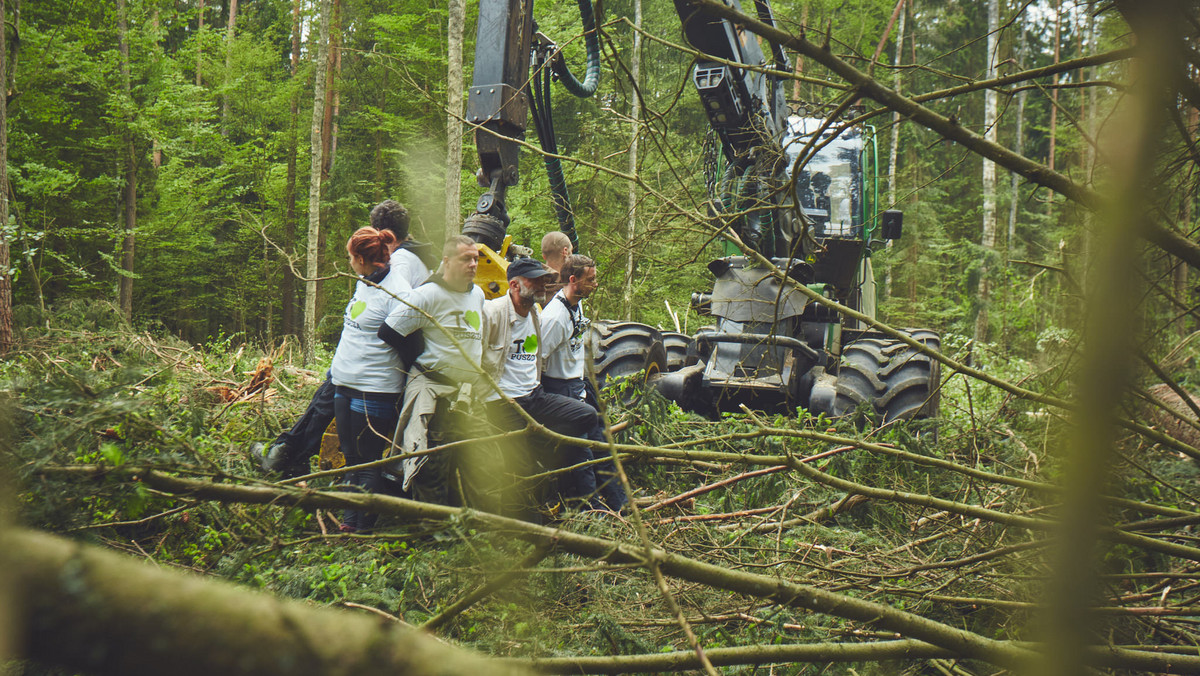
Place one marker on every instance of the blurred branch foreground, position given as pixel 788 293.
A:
pixel 951 542
pixel 89 609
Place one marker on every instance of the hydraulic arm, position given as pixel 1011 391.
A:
pixel 500 100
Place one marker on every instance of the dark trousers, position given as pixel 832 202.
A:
pixel 366 422
pixel 609 491
pixel 567 416
pixel 304 439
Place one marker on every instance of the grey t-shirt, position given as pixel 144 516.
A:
pixel 520 375
pixel 443 313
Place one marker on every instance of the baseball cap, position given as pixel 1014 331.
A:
pixel 527 268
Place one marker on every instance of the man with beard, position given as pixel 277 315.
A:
pixel 512 337
pixel 565 332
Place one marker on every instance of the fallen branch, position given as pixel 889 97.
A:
pixel 713 486
pixel 93 610
pixel 486 589
pixel 960 642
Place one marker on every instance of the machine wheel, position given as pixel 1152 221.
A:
pixel 623 349
pixel 676 345
pixel 897 381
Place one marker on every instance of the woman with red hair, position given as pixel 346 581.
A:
pixel 366 371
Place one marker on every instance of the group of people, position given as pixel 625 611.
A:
pixel 424 361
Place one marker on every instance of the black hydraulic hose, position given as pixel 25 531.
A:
pixel 592 41
pixel 562 202
pixel 544 124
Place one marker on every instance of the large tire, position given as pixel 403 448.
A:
pixel 677 345
pixel 895 380
pixel 624 349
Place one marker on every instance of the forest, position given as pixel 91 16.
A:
pixel 180 180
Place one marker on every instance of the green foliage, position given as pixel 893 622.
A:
pixel 111 397
pixel 231 121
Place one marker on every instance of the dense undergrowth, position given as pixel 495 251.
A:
pixel 84 389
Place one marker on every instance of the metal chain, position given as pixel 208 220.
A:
pixel 708 158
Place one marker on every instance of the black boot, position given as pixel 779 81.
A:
pixel 368 481
pixel 279 458
pixel 351 518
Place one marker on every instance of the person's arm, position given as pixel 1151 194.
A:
pixel 409 347
pixel 402 329
pixel 555 330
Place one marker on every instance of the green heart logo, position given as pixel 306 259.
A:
pixel 531 344
pixel 357 309
pixel 472 319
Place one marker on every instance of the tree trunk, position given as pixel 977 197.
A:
pixel 1105 370
pixel 155 148
pixel 894 151
pixel 799 68
pixel 314 188
pixel 383 100
pixel 130 199
pixel 989 173
pixel 288 282
pixel 199 43
pixel 337 90
pixel 1179 274
pixel 454 107
pixel 1019 148
pixel 15 21
pixel 134 618
pixel 6 317
pixel 635 112
pixel 230 31
pixel 1054 83
pixel 328 131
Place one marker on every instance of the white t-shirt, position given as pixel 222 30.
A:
pixel 396 282
pixel 461 313
pixel 362 360
pixel 564 335
pixel 520 375
pixel 409 266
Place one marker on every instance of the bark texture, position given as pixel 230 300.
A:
pixel 125 286
pixel 90 609
pixel 454 105
pixel 314 187
pixel 6 318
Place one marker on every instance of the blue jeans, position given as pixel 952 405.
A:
pixel 366 422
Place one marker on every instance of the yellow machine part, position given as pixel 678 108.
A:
pixel 492 275
pixel 331 452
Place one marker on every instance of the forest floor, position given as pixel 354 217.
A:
pixel 943 519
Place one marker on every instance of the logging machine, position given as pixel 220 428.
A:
pixel 801 190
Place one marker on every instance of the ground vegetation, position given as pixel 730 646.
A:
pixel 1042 523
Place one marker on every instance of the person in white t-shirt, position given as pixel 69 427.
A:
pixel 407 261
pixel 290 452
pixel 366 371
pixel 515 359
pixel 565 333
pixel 437 328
